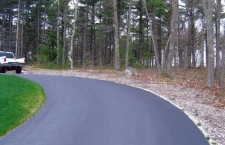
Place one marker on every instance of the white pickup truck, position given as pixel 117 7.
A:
pixel 8 62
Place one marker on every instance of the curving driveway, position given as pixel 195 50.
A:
pixel 90 112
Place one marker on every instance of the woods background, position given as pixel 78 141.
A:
pixel 166 34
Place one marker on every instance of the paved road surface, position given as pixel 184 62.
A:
pixel 90 112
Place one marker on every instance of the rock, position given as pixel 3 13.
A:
pixel 130 71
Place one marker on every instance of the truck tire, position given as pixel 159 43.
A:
pixel 2 69
pixel 18 70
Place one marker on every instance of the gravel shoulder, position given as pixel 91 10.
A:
pixel 193 102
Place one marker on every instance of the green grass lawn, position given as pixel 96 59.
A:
pixel 20 99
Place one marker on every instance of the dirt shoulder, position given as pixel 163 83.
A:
pixel 202 107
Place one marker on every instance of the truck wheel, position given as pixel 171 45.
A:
pixel 18 70
pixel 2 69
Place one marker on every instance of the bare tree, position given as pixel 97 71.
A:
pixel 128 35
pixel 73 33
pixel 116 37
pixel 208 10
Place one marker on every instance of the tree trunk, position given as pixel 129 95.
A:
pixel 73 33
pixel 85 37
pixel 58 23
pixel 185 40
pixel 64 34
pixel 116 37
pixel 173 36
pixel 17 30
pixel 165 54
pixel 11 30
pixel 3 31
pixel 128 35
pixel 106 50
pixel 208 10
pixel 218 15
pixel 192 61
pixel 38 31
pixel 153 40
pixel 43 30
pixel 222 70
pixel 101 39
pixel 21 43
pixel 140 34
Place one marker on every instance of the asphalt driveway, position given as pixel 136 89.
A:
pixel 82 111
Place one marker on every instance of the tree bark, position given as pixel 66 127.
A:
pixel 3 31
pixel 44 23
pixel 10 30
pixel 222 70
pixel 140 34
pixel 85 37
pixel 64 33
pixel 100 43
pixel 21 43
pixel 218 16
pixel 38 31
pixel 173 36
pixel 128 35
pixel 17 30
pixel 58 23
pixel 116 37
pixel 208 10
pixel 73 33
pixel 191 38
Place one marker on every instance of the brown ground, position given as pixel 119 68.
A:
pixel 187 91
pixel 193 78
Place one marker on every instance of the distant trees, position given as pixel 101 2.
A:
pixel 116 33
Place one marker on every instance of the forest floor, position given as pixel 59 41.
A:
pixel 187 91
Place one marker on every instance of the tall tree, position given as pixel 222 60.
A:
pixel 218 16
pixel 75 4
pixel 222 69
pixel 173 36
pixel 64 20
pixel 208 11
pixel 17 30
pixel 153 40
pixel 128 35
pixel 140 9
pixel 116 37
pixel 85 36
pixel 58 25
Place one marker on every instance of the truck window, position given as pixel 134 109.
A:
pixel 1 54
pixel 9 55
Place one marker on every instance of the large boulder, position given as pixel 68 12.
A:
pixel 130 71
